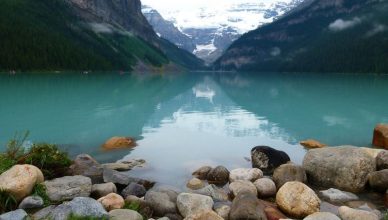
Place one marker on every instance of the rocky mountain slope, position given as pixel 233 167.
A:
pixel 83 35
pixel 212 28
pixel 321 36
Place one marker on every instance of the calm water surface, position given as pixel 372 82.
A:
pixel 183 121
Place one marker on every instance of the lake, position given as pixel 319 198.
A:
pixel 184 121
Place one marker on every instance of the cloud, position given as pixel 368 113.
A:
pixel 340 24
pixel 378 28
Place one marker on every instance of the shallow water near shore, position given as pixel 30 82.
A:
pixel 184 121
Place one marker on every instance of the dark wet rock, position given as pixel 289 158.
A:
pixel 68 187
pixel 18 214
pixel 218 176
pixel 202 172
pixel 379 180
pixel 174 216
pixel 287 173
pixel 338 196
pixel 100 190
pixel 345 167
pixel 86 165
pixel 31 202
pixel 124 179
pixel 247 206
pixel 382 160
pixel 268 159
pixel 134 189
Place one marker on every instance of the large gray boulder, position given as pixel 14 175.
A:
pixel 31 202
pixel 189 204
pixel 287 173
pixel 86 165
pixel 217 194
pixel 343 167
pixel 80 206
pixel 18 214
pixel 162 201
pixel 247 206
pixel 68 187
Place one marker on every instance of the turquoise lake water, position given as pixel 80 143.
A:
pixel 183 121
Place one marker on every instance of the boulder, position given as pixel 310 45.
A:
pixel 202 172
pixel 382 160
pixel 265 187
pixel 217 194
pixel 222 210
pixel 297 200
pixel 312 144
pixel 195 184
pixel 122 178
pixel 380 136
pixel 268 159
pixel 124 214
pixel 31 202
pixel 322 216
pixel 79 206
pixel 134 189
pixel 218 175
pixel 361 205
pixel 327 207
pixel 287 173
pixel 345 167
pixel 273 213
pixel 378 180
pixel 347 213
pixel 162 201
pixel 337 196
pixel 204 215
pixel 242 186
pixel 247 206
pixel 112 201
pixel 86 165
pixel 117 166
pixel 103 189
pixel 115 143
pixel 68 187
pixel 189 204
pixel 248 174
pixel 20 180
pixel 44 213
pixel 18 214
pixel 144 208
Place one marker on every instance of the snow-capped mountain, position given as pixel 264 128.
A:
pixel 212 25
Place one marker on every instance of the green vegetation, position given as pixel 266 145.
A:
pixel 303 41
pixel 7 202
pixel 135 206
pixel 40 190
pixel 47 35
pixel 48 157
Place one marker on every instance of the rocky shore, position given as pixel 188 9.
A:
pixel 344 182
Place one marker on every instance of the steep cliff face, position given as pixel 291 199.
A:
pixel 124 13
pixel 320 36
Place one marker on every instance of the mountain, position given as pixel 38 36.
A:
pixel 84 35
pixel 212 28
pixel 319 36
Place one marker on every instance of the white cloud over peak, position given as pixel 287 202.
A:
pixel 340 24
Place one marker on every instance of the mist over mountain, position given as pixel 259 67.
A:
pixel 211 26
pixel 321 36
